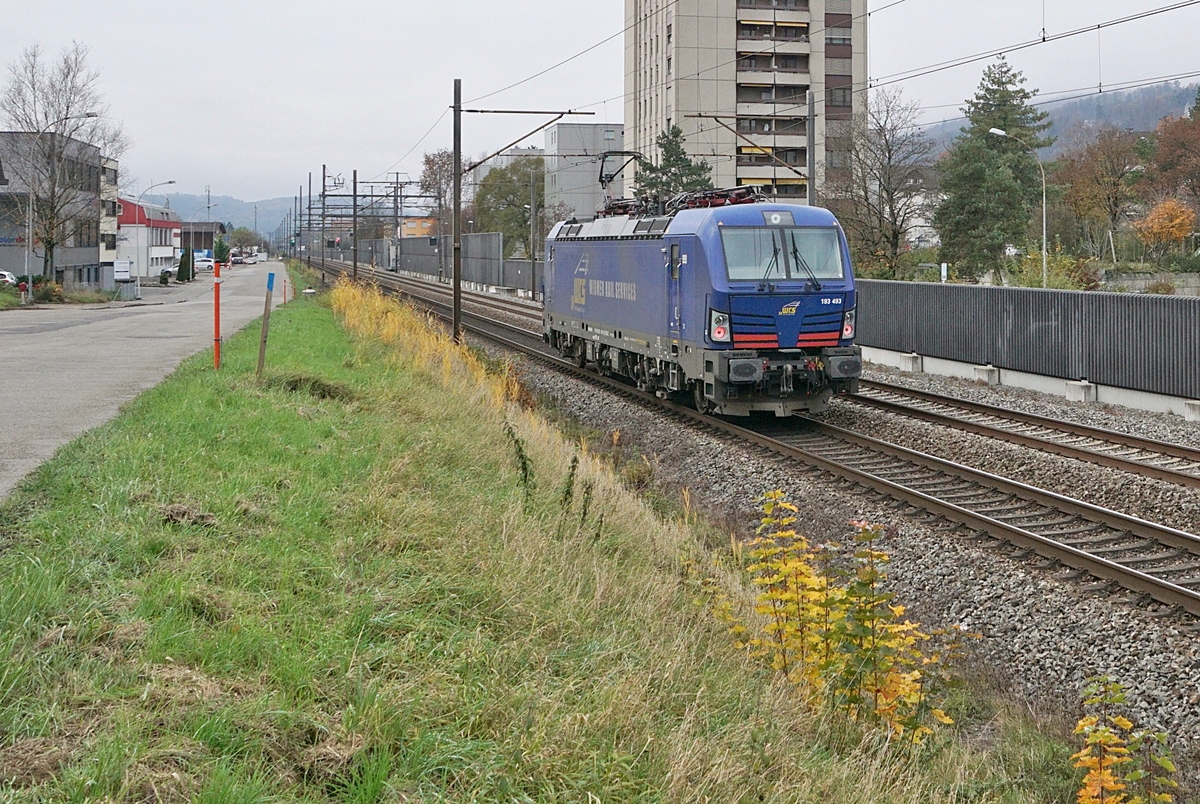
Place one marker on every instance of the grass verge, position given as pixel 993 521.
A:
pixel 373 577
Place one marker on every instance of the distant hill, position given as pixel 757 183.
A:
pixel 228 209
pixel 1135 110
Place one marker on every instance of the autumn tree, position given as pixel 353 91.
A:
pixel 244 237
pixel 437 182
pixel 59 170
pixel 1098 181
pixel 1178 154
pixel 882 195
pixel 674 172
pixel 502 202
pixel 1166 225
pixel 990 184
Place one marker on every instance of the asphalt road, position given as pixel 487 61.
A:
pixel 65 369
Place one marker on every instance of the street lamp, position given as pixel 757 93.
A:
pixel 29 190
pixel 999 132
pixel 147 220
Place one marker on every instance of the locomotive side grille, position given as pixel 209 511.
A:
pixel 754 331
pixel 820 329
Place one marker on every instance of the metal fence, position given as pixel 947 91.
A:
pixel 1142 342
pixel 482 262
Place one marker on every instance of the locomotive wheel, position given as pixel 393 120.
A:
pixel 702 403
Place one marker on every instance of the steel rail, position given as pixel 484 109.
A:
pixel 1149 460
pixel 1044 544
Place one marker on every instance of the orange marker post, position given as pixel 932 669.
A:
pixel 216 315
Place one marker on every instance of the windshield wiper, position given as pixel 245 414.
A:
pixel 774 260
pixel 803 263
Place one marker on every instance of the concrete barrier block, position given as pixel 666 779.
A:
pixel 1192 410
pixel 1081 391
pixel 988 374
pixel 913 363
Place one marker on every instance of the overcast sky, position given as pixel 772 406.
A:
pixel 249 96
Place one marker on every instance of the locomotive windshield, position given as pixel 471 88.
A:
pixel 758 253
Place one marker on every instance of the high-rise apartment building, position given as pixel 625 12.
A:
pixel 750 63
pixel 572 170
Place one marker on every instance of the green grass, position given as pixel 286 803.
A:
pixel 326 587
pixel 8 298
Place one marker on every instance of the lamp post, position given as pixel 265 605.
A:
pixel 147 221
pixel 29 190
pixel 999 132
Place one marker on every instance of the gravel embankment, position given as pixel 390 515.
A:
pixel 1043 632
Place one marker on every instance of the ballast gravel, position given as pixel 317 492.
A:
pixel 1044 630
pixel 1147 424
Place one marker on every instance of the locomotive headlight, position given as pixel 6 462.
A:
pixel 718 327
pixel 848 325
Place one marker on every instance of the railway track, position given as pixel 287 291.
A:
pixel 1173 463
pixel 1146 558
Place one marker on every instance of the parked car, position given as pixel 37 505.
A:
pixel 238 260
pixel 203 264
pixel 7 279
pixel 253 259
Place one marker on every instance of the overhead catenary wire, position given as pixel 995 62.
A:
pixel 905 75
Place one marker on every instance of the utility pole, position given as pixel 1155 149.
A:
pixel 458 171
pixel 811 178
pixel 533 235
pixel 309 241
pixel 396 189
pixel 354 224
pixel 323 237
pixel 256 234
pixel 456 224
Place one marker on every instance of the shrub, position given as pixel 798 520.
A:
pixel 1063 271
pixel 846 644
pixel 48 293
pixel 1110 741
pixel 1161 287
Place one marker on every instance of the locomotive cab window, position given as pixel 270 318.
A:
pixel 753 254
pixel 759 254
pixel 674 260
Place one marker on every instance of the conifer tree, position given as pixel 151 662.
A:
pixel 185 266
pixel 675 172
pixel 991 184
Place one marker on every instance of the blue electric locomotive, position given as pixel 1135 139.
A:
pixel 749 306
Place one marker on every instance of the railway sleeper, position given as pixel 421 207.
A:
pixel 1116 549
pixel 1010 505
pixel 1151 558
pixel 1053 523
pixel 1175 569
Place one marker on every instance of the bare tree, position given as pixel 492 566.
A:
pixel 883 191
pixel 437 182
pixel 65 131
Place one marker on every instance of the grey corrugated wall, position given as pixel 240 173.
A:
pixel 1143 342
